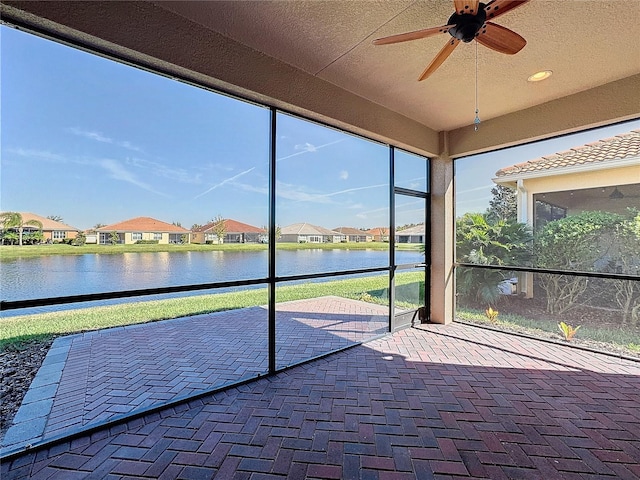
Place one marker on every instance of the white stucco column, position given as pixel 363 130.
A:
pixel 525 215
pixel 442 237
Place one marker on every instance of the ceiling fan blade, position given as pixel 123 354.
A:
pixel 500 39
pixel 441 57
pixel 405 37
pixel 466 6
pixel 496 8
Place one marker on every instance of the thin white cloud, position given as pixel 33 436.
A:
pixel 39 155
pixel 224 182
pixel 161 170
pixel 349 190
pixel 308 148
pixel 117 171
pixel 99 137
pixel 96 136
pixel 344 175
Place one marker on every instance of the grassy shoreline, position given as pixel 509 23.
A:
pixel 9 252
pixel 19 329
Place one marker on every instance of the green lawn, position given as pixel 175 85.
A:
pixel 16 330
pixel 623 337
pixel 13 251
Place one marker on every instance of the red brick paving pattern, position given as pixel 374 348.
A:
pixel 115 371
pixel 429 402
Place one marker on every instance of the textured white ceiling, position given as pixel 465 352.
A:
pixel 586 43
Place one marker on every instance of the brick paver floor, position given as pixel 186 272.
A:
pixel 107 373
pixel 429 402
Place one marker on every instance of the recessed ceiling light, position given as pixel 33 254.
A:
pixel 539 76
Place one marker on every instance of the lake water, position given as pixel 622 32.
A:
pixel 62 275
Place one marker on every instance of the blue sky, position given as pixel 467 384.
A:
pixel 95 141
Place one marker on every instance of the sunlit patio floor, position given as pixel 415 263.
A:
pixel 433 401
pixel 97 376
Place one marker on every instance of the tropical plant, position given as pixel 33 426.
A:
pixel 278 231
pixel 55 218
pixel 9 237
pixel 219 228
pixel 14 221
pixel 80 239
pixel 114 238
pixel 568 331
pixel 484 242
pixel 492 315
pixel 572 243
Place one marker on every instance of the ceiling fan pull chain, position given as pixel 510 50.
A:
pixel 476 121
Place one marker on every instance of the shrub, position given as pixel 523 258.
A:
pixel 572 243
pixel 484 242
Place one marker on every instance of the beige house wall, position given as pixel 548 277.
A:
pixel 48 235
pixel 604 178
pixel 128 237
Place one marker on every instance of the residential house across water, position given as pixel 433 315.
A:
pixel 307 233
pixel 234 232
pixel 52 230
pixel 142 229
pixel 354 234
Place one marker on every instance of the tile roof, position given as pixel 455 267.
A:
pixel 306 229
pixel 378 231
pixel 350 231
pixel 232 226
pixel 626 145
pixel 47 223
pixel 143 224
pixel 415 230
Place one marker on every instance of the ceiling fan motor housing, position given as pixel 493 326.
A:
pixel 467 25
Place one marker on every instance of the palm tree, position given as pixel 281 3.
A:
pixel 14 220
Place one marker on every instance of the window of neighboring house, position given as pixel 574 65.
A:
pixel 157 236
pixel 314 239
pixel 547 212
pixel 136 236
pixel 59 234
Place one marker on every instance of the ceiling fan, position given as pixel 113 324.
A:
pixel 469 22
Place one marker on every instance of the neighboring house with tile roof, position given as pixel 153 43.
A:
pixel 415 234
pixel 235 232
pixel 604 175
pixel 379 234
pixel 143 229
pixel 52 230
pixel 307 233
pixel 354 234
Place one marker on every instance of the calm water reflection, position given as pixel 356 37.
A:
pixel 61 275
